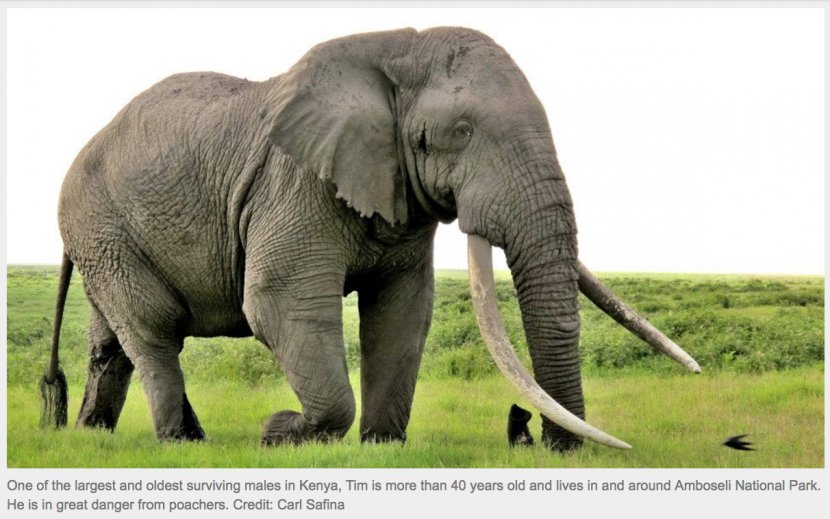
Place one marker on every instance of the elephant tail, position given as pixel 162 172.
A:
pixel 53 390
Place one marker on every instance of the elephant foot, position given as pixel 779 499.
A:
pixel 93 419
pixel 291 427
pixel 191 434
pixel 184 434
pixel 188 430
pixel 284 427
pixel 560 440
pixel 564 445
pixel 372 436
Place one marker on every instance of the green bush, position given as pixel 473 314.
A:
pixel 221 358
pixel 740 324
pixel 734 323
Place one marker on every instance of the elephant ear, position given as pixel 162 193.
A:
pixel 335 116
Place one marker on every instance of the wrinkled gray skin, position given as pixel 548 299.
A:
pixel 213 205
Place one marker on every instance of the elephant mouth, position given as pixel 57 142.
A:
pixel 483 291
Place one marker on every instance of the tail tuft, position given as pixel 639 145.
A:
pixel 53 396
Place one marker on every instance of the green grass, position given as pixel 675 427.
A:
pixel 674 421
pixel 759 339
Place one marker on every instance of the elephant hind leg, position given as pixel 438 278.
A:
pixel 161 376
pixel 163 382
pixel 146 317
pixel 108 377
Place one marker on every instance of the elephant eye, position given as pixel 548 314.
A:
pixel 461 134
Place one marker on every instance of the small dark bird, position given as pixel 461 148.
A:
pixel 736 443
pixel 517 431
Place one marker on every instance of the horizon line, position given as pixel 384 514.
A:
pixel 607 272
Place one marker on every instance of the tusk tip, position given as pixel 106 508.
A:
pixel 619 444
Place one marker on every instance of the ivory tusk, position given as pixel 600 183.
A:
pixel 601 296
pixel 482 287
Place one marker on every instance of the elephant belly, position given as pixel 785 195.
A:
pixel 213 322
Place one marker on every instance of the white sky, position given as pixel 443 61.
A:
pixel 692 139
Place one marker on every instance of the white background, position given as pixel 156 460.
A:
pixel 692 139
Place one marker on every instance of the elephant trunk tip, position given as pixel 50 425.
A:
pixel 53 394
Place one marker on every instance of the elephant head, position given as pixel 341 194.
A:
pixel 442 124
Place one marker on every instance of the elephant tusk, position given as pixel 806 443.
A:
pixel 482 288
pixel 601 296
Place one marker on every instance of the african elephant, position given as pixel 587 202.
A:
pixel 212 205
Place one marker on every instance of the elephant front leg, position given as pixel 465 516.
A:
pixel 395 315
pixel 108 377
pixel 306 336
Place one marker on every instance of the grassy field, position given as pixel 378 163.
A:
pixel 674 421
pixel 760 341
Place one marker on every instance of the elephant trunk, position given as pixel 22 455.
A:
pixel 562 427
pixel 548 298
pixel 543 261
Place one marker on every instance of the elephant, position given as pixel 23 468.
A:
pixel 213 205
